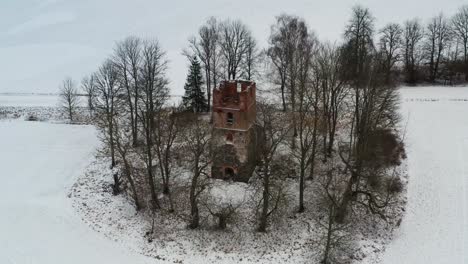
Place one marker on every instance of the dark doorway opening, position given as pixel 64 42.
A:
pixel 228 173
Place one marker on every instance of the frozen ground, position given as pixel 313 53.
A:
pixel 434 229
pixel 39 162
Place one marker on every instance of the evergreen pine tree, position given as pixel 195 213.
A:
pixel 194 98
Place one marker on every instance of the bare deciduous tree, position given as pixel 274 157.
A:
pixel 153 95
pixel 277 54
pixel 437 38
pixel 333 89
pixel 460 30
pixel 206 48
pixel 273 131
pixel 167 129
pixel 197 137
pixel 335 236
pixel 278 61
pixel 88 85
pixel 306 118
pixel 252 56
pixel 127 57
pixel 291 39
pixel 235 40
pixel 108 98
pixel 374 112
pixel 413 34
pixel 123 144
pixel 390 45
pixel 223 210
pixel 69 99
pixel 359 34
pixel 377 113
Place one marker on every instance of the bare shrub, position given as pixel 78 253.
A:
pixel 394 185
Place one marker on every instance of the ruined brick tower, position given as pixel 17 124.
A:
pixel 234 113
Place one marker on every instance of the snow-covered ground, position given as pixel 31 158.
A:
pixel 49 100
pixel 39 162
pixel 29 100
pixel 434 229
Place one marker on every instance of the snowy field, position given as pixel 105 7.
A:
pixel 41 161
pixel 49 100
pixel 29 100
pixel 434 229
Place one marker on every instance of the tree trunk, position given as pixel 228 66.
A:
pixel 314 151
pixel 154 198
pixel 111 144
pixel 110 123
pixel 431 63
pixel 166 189
pixel 222 224
pixel 132 121
pixel 342 212
pixel 348 194
pixel 130 105
pixel 208 86
pixel 301 187
pixel 283 97
pixel 149 156
pixel 116 186
pixel 466 59
pixel 325 147
pixel 331 137
pixel 329 235
pixel 266 193
pixel 70 112
pixel 195 221
pixel 166 171
pixel 132 184
pixel 135 124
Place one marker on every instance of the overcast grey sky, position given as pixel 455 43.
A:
pixel 42 41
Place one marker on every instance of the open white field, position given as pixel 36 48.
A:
pixel 29 100
pixel 434 229
pixel 39 162
pixel 50 100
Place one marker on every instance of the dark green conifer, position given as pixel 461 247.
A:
pixel 194 99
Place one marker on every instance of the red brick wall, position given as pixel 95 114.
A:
pixel 226 99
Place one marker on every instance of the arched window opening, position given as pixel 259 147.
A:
pixel 230 119
pixel 228 173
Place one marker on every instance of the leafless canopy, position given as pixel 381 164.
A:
pixel 390 45
pixel 88 85
pixel 69 99
pixel 460 30
pixel 437 39
pixel 206 47
pixel 413 34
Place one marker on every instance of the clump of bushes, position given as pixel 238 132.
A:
pixel 395 185
pixel 385 148
pixel 32 117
